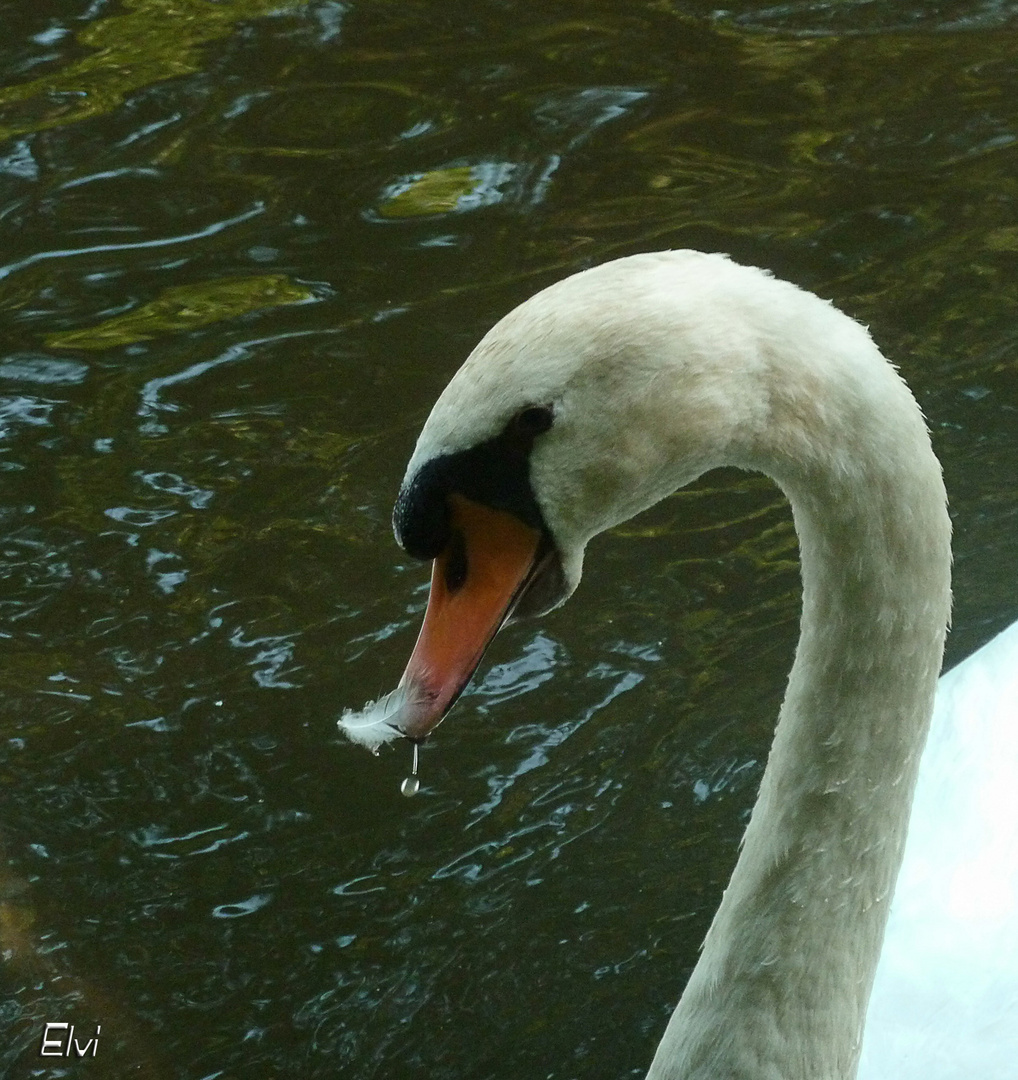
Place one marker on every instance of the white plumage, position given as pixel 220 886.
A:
pixel 659 367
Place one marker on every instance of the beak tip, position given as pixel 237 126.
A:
pixel 410 711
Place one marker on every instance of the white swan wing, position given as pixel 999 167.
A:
pixel 945 999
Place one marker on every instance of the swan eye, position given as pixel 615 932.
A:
pixel 534 420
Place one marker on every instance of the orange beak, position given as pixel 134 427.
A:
pixel 475 582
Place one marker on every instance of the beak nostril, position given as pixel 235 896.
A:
pixel 455 570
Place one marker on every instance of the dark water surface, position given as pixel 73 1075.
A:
pixel 244 245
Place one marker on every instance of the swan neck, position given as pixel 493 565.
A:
pixel 784 977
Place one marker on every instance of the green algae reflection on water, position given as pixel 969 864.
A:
pixel 153 41
pixel 185 307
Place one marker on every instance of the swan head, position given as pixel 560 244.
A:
pixel 589 402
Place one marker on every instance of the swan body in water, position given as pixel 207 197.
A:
pixel 606 392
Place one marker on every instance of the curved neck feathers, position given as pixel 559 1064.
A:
pixel 781 988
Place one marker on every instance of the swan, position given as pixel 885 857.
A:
pixel 604 393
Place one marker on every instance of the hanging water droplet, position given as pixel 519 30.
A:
pixel 411 785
